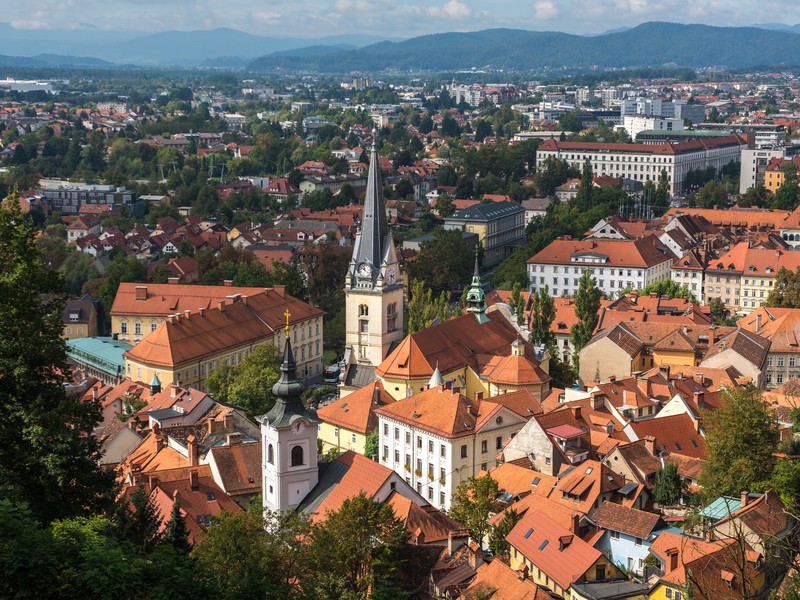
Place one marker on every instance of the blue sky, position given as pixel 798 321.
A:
pixel 394 18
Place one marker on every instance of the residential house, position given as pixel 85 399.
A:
pixel 83 317
pixel 553 557
pixel 628 534
pixel 346 423
pixel 438 438
pixel 780 326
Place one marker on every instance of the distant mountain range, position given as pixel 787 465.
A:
pixel 648 45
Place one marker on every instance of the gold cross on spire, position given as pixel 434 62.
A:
pixel 287 314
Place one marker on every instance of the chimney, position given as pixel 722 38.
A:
pixel 448 385
pixel 475 556
pixel 227 421
pixel 228 283
pixel 745 498
pixel 173 280
pixel 650 444
pixel 451 543
pixel 176 317
pixel 210 426
pixel 280 290
pixel 478 396
pixel 456 389
pixel 419 537
pixel 188 314
pixel 191 448
pixel 697 425
pixel 201 310
pixel 173 391
pixel 194 481
pixel 244 300
pixel 576 523
pixel 141 292
pixel 94 393
pixel 612 378
pixel 221 305
pixel 711 335
pixel 523 572
pixel 758 322
pixel 159 442
pixel 233 438
pixel 376 395
pixel 576 411
pixel 672 563
pixel 699 399
pixel 152 481
pixel 598 400
pixel 698 378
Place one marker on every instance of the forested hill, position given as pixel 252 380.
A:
pixel 648 45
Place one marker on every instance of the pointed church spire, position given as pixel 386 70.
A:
pixel 287 391
pixel 476 299
pixel 370 242
pixel 436 379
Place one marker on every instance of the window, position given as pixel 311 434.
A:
pixel 123 327
pixel 137 328
pixel 397 456
pixel 464 451
pixel 678 595
pixel 385 453
pixel 638 541
pixel 484 447
pixel 441 498
pixel 419 442
pixel 386 429
pixel 396 433
pixel 271 454
pixel 547 460
pixel 430 446
pixel 600 572
pixel 668 592
pixel 498 442
pixel 442 475
pixel 353 438
pixel 210 497
pixel 80 330
pixel 443 451
pixel 297 456
pixel 614 535
pixel 408 437
pixel 780 361
pixel 153 325
pixel 792 361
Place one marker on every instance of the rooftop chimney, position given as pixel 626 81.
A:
pixel 758 322
pixel 745 498
pixel 576 411
pixel 576 523
pixel 201 310
pixel 221 305
pixel 141 292
pixel 188 314
pixel 650 444
pixel 712 335
pixel 173 391
pixel 612 378
pixel 280 290
pixel 173 280
pixel 700 398
pixel 478 396
pixel 698 378
pixel 192 450
pixel 233 438
pixel 194 481
pixel 228 283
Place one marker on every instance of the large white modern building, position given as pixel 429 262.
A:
pixel 615 264
pixel 644 162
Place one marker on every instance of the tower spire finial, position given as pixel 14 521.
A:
pixel 287 314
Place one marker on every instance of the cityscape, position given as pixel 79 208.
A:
pixel 411 301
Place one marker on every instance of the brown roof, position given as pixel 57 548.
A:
pixel 356 411
pixel 750 346
pixel 443 412
pixel 239 322
pixel 766 515
pixel 583 484
pixel 499 581
pixel 643 252
pixel 781 326
pixel 675 433
pixel 616 517
pixel 519 481
pixel 729 217
pixel 452 345
pixel 434 524
pixel 164 299
pixel 637 456
pixel 522 402
pixel 239 467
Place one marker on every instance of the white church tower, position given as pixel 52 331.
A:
pixel 373 287
pixel 289 441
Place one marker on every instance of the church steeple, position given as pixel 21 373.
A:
pixel 370 245
pixel 476 299
pixel 287 391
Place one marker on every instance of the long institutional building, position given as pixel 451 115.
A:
pixel 644 162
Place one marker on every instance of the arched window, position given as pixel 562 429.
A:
pixel 271 454
pixel 297 456
pixel 363 310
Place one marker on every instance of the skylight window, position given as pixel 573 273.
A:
pixel 694 444
pixel 543 545
pixel 589 470
pixel 528 534
pixel 678 446
pixel 536 480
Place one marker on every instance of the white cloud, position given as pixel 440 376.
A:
pixel 545 9
pixel 452 10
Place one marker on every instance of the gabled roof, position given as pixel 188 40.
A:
pixel 616 517
pixel 585 483
pixel 499 581
pixel 519 481
pixel 781 326
pixel 239 467
pixel 542 541
pixel 644 252
pixel 165 299
pixel 766 515
pixel 356 411
pixel 675 433
pixel 746 344
pixel 434 524
pixel 442 411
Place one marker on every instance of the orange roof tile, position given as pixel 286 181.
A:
pixel 356 411
pixel 675 433
pixel 644 252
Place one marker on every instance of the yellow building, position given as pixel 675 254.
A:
pixel 554 557
pixel 774 176
pixel 346 423
pixel 500 227
pixel 80 318
pixel 186 347
pixel 139 308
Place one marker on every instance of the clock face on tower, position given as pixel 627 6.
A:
pixel 364 270
pixel 390 275
pixel 299 426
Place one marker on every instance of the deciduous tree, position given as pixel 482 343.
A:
pixel 474 500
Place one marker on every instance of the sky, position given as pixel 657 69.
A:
pixel 389 18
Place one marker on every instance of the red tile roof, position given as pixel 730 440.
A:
pixel 356 411
pixel 644 252
pixel 674 433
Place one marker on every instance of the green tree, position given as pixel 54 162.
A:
pixel 786 293
pixel 446 175
pixel 443 262
pixel 473 502
pixel 668 488
pixel 497 541
pixel 121 270
pixel 587 304
pixel 713 193
pixel 250 556
pixel 518 303
pixel 142 522
pixel 667 287
pixel 357 549
pixel 445 205
pixel 47 456
pixel 175 533
pixel 720 314
pixel 788 195
pixel 248 384
pixel 372 445
pixel 543 313
pixel 423 309
pixel 78 268
pixel 741 439
pixel 584 197
pixel 757 196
